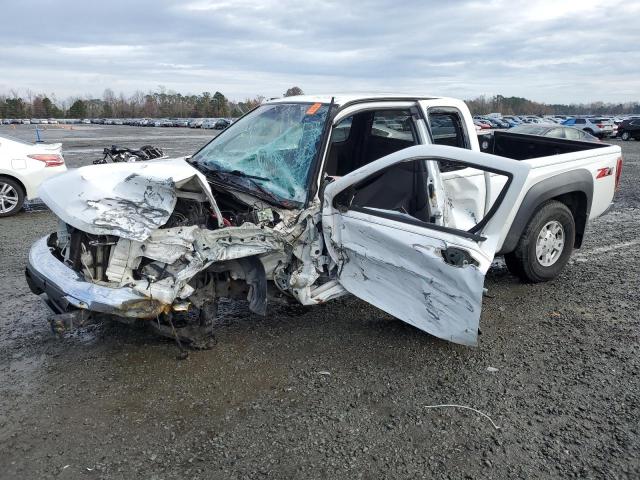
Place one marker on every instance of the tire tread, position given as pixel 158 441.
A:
pixel 522 263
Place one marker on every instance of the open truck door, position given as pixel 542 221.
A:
pixel 383 228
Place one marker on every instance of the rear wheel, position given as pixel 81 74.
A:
pixel 545 245
pixel 625 136
pixel 11 197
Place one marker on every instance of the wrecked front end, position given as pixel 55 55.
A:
pixel 151 242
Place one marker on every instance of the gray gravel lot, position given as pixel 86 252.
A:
pixel 337 391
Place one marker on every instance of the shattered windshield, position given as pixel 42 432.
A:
pixel 274 146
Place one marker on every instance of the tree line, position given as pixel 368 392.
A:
pixel 517 105
pixel 167 103
pixel 156 104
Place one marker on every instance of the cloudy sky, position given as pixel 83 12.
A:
pixel 547 50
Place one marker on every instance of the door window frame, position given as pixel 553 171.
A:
pixel 454 110
pixel 473 233
pixel 349 110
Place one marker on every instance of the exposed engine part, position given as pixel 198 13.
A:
pixel 258 216
pixel 190 212
pixel 281 277
pixel 84 252
pixel 192 260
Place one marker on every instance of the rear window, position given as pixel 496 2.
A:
pixel 573 134
pixel 396 124
pixel 447 128
pixel 556 133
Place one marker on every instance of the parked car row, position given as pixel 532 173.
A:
pixel 29 121
pixel 626 128
pixel 212 123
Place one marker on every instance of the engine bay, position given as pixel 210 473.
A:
pixel 254 251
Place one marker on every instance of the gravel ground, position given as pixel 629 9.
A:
pixel 337 391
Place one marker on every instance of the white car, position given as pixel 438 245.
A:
pixel 209 123
pixel 23 167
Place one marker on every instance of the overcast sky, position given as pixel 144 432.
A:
pixel 546 50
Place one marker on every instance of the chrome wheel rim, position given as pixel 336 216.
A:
pixel 8 197
pixel 550 243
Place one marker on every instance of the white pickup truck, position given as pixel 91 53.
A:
pixel 392 199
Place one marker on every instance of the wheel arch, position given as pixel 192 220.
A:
pixel 574 189
pixel 17 180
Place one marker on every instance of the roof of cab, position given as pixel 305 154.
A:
pixel 342 99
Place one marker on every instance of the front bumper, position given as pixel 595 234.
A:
pixel 67 291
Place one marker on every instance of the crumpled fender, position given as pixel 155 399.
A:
pixel 129 200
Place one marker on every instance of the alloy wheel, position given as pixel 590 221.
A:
pixel 550 243
pixel 9 197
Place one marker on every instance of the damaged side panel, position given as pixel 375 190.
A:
pixel 414 284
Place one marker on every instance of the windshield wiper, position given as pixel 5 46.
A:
pixel 239 173
pixel 198 165
pixel 253 179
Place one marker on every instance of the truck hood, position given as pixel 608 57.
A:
pixel 129 200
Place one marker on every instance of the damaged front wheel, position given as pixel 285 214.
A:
pixel 193 328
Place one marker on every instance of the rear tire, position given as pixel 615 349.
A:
pixel 545 245
pixel 11 197
pixel 625 136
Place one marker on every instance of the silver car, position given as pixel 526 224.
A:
pixel 593 126
pixel 554 130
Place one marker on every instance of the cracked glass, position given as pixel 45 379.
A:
pixel 274 145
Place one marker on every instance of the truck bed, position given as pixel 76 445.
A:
pixel 520 146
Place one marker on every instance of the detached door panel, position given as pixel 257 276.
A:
pixel 390 254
